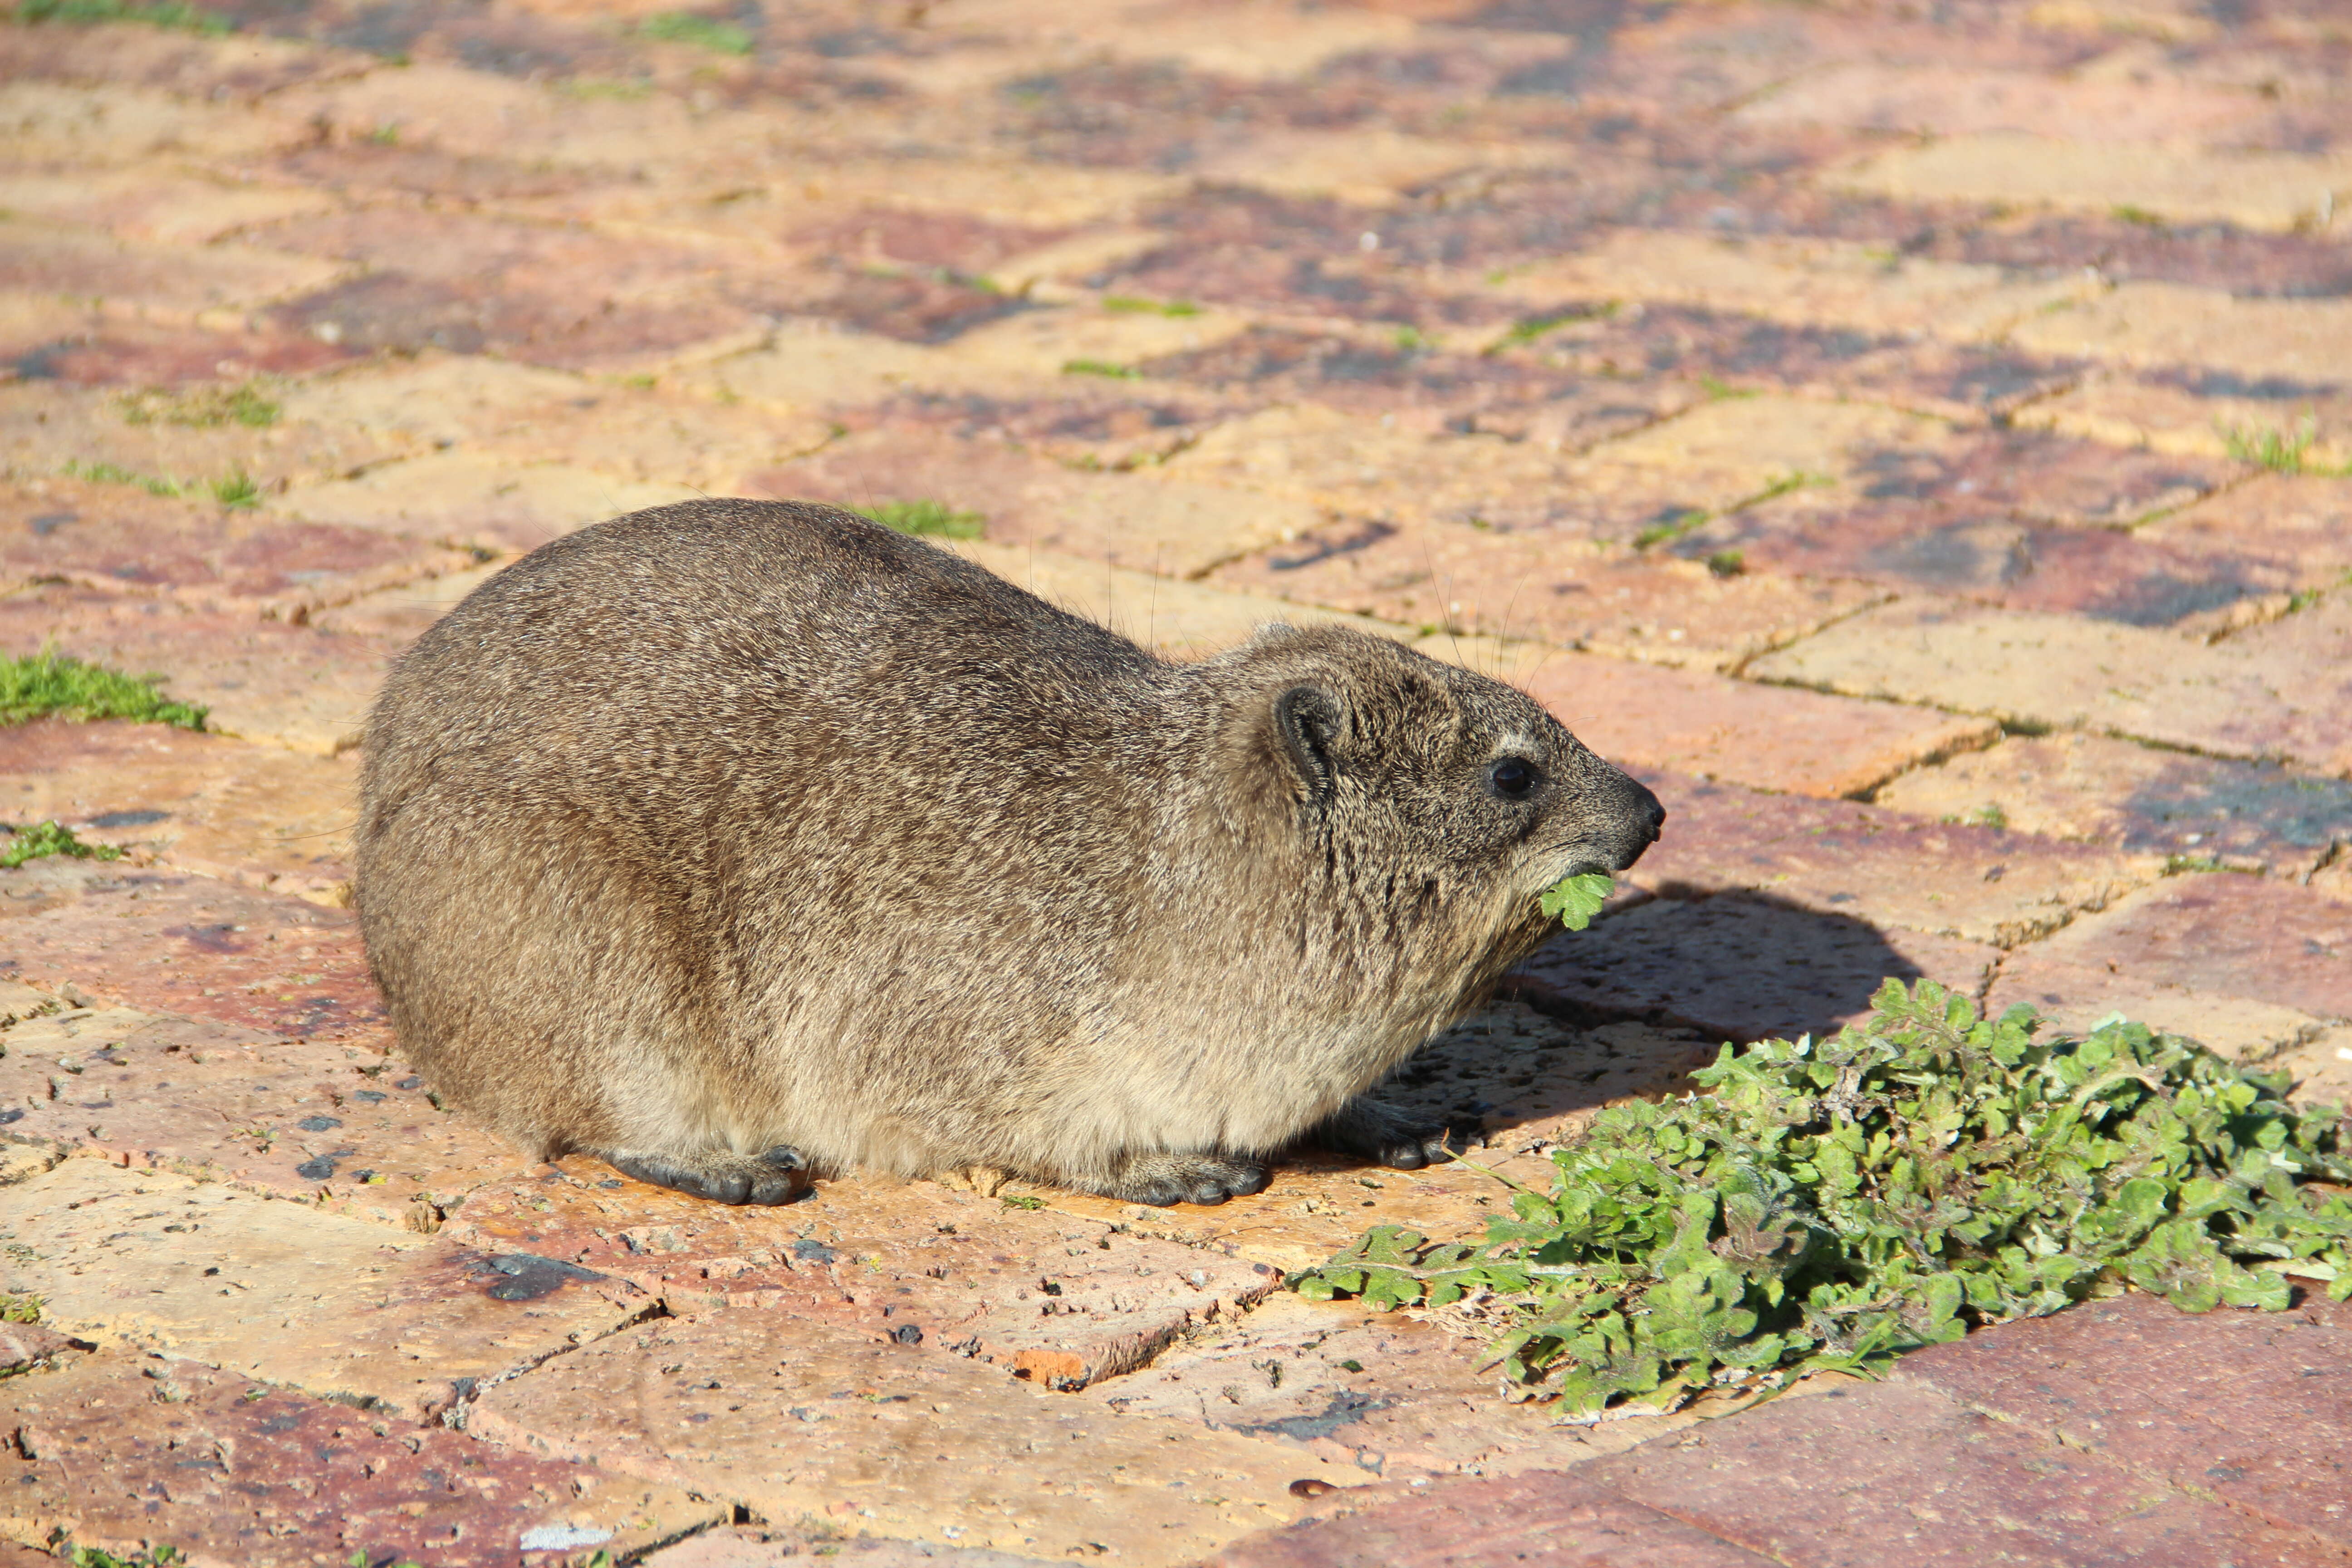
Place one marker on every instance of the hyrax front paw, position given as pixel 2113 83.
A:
pixel 1373 1131
pixel 778 1176
pixel 1162 1180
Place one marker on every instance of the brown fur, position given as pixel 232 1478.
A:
pixel 729 840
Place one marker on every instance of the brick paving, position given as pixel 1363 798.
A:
pixel 1912 437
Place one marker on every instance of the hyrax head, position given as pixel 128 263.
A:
pixel 1426 784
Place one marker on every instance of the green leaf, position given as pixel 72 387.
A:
pixel 1574 900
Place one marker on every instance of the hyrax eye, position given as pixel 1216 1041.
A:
pixel 1513 779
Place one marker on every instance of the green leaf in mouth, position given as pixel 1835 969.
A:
pixel 1576 899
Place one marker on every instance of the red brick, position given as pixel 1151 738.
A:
pixel 1972 552
pixel 554 296
pixel 797 1418
pixel 1775 738
pixel 2305 518
pixel 2251 1407
pixel 1741 967
pixel 1886 868
pixel 2236 935
pixel 1565 592
pixel 968 1272
pixel 2048 478
pixel 339 1125
pixel 130 1449
pixel 27 1347
pixel 1856 1478
pixel 196 802
pixel 120 539
pixel 1547 1521
pixel 174 943
pixel 264 680
pixel 149 353
pixel 2140 799
pixel 1416 1405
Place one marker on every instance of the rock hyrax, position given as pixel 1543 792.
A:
pixel 734 842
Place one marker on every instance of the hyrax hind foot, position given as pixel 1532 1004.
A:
pixel 1162 1180
pixel 778 1176
pixel 1372 1130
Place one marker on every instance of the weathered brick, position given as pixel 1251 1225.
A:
pixel 122 1450
pixel 480 499
pixel 433 400
pixel 764 1546
pixel 56 127
pixel 1166 526
pixel 2226 934
pixel 48 430
pixel 1741 966
pixel 155 207
pixel 2256 190
pixel 272 819
pixel 1773 738
pixel 2248 1406
pixel 895 1439
pixel 166 280
pixel 2305 520
pixel 1978 553
pixel 1062 1302
pixel 1805 282
pixel 1174 619
pixel 549 296
pixel 191 68
pixel 1415 1406
pixel 1884 868
pixel 2138 798
pixel 2270 692
pixel 1547 1521
pixel 147 355
pixel 2220 414
pixel 167 942
pixel 2073 997
pixel 1951 100
pixel 281 1292
pixel 1859 1475
pixel 333 1123
pixel 2163 324
pixel 121 539
pixel 1565 592
pixel 262 680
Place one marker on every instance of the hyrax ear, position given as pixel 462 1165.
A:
pixel 1310 720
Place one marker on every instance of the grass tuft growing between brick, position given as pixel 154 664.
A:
pixel 2281 451
pixel 44 839
pixel 204 408
pixel 1828 1204
pixel 43 684
pixel 701 32
pixel 935 519
pixel 170 14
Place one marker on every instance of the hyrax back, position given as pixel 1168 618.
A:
pixel 732 841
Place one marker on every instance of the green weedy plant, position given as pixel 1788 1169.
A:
pixel 170 14
pixel 702 32
pixel 46 838
pixel 1827 1205
pixel 925 517
pixel 37 685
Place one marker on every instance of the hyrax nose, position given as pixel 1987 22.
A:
pixel 1636 818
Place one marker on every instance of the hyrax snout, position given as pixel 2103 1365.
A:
pixel 732 843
